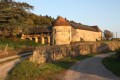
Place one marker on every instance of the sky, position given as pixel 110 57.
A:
pixel 103 13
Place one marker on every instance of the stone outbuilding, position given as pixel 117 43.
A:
pixel 63 32
pixel 39 35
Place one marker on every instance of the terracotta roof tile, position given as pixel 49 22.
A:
pixel 89 28
pixel 61 22
pixel 97 28
pixel 39 30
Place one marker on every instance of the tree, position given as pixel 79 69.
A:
pixel 16 17
pixel 6 0
pixel 13 15
pixel 108 34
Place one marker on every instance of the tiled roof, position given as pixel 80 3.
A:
pixel 89 28
pixel 61 22
pixel 97 28
pixel 39 30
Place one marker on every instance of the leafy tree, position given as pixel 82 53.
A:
pixel 43 20
pixel 13 15
pixel 6 0
pixel 108 34
pixel 16 17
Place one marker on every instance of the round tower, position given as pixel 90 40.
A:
pixel 61 32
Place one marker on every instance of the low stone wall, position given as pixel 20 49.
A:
pixel 44 54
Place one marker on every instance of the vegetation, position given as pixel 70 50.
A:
pixel 13 47
pixel 49 71
pixel 108 34
pixel 112 64
pixel 12 17
pixel 17 43
pixel 15 18
pixel 118 54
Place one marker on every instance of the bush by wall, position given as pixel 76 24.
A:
pixel 118 54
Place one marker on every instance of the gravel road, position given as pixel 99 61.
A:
pixel 6 67
pixel 90 69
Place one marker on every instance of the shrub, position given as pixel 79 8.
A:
pixel 111 64
pixel 118 54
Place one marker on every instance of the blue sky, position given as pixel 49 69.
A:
pixel 104 13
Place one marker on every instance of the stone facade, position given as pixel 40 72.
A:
pixel 61 35
pixel 86 35
pixel 64 32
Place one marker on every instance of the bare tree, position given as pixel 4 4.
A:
pixel 108 34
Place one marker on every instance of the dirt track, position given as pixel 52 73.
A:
pixel 6 67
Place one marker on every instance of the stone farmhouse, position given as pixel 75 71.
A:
pixel 63 32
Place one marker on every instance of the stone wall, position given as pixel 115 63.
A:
pixel 44 54
pixel 86 35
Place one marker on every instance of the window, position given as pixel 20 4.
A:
pixel 54 41
pixel 54 30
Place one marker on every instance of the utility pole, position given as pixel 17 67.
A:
pixel 116 35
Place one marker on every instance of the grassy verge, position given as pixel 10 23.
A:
pixel 15 58
pixel 10 47
pixel 1 63
pixel 17 43
pixel 49 71
pixel 112 64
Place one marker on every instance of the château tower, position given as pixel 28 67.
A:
pixel 61 32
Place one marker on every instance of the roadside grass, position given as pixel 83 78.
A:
pixel 10 47
pixel 1 63
pixel 112 64
pixel 15 58
pixel 17 43
pixel 27 70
